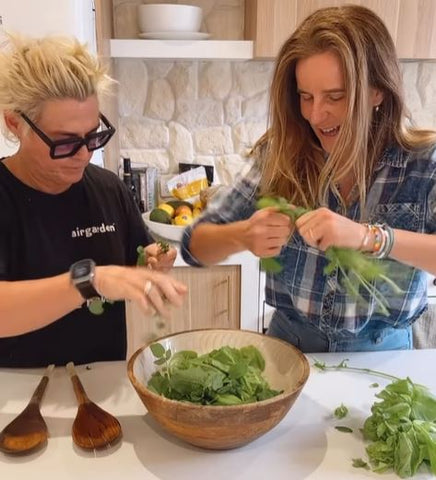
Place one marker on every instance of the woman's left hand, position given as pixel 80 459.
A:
pixel 158 260
pixel 322 228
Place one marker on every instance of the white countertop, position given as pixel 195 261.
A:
pixel 305 445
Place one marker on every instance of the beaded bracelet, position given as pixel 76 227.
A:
pixel 383 249
pixel 371 230
pixel 383 240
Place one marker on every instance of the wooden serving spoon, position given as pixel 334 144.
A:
pixel 28 431
pixel 93 427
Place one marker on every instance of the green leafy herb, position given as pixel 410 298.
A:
pixel 141 261
pixel 343 365
pixel 341 428
pixel 358 271
pixel 374 385
pixel 164 246
pixel 360 463
pixel 402 426
pixel 341 411
pixel 97 305
pixel 226 376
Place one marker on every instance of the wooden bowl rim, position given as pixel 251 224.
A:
pixel 177 403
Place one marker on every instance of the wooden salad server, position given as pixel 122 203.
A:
pixel 28 431
pixel 93 427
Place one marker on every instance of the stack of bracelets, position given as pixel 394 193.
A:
pixel 383 236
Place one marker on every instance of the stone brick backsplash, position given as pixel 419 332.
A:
pixel 213 112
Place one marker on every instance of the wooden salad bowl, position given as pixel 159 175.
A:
pixel 222 427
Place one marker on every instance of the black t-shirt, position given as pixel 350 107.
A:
pixel 41 235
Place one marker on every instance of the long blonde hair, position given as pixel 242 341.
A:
pixel 294 163
pixel 34 70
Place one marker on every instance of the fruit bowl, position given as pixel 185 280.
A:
pixel 222 427
pixel 163 230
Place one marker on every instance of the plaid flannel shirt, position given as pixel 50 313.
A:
pixel 402 195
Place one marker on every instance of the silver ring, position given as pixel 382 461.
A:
pixel 147 287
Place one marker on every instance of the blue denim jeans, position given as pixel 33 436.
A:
pixel 309 338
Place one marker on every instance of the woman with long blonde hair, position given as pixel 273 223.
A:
pixel 341 145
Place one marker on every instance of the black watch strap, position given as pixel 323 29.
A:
pixel 87 291
pixel 82 277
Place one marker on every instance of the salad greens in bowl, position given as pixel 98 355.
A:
pixel 218 388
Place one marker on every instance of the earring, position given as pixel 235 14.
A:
pixel 377 108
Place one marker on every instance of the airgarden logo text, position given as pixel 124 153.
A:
pixel 91 231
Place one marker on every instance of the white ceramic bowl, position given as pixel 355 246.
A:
pixel 164 230
pixel 166 17
pixel 222 427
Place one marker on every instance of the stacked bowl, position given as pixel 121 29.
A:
pixel 170 21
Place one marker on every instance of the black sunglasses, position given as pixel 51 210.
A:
pixel 70 146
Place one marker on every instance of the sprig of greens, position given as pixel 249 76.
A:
pixel 341 411
pixel 226 376
pixel 401 428
pixel 343 365
pixel 142 254
pixel 357 269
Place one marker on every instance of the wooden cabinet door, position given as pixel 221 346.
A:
pixel 416 32
pixel 213 301
pixel 412 23
pixel 269 23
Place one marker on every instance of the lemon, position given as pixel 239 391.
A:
pixel 167 208
pixel 183 220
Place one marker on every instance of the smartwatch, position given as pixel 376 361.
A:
pixel 82 275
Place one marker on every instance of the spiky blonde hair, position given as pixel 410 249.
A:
pixel 34 70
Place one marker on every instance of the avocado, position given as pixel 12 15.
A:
pixel 178 203
pixel 160 216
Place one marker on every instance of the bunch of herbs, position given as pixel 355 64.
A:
pixel 358 271
pixel 401 428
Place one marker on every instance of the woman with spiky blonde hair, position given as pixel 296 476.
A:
pixel 69 230
pixel 339 144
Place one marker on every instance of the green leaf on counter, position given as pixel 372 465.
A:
pixel 402 426
pixel 341 411
pixel 360 463
pixel 344 429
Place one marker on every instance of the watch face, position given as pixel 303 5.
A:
pixel 82 277
pixel 82 269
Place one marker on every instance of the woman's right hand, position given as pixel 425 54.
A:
pixel 266 231
pixel 153 291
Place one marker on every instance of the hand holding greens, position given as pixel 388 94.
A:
pixel 357 269
pixel 142 254
pixel 227 376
